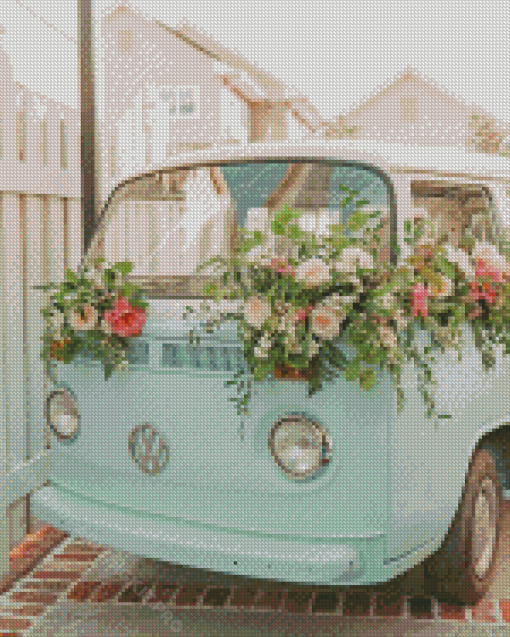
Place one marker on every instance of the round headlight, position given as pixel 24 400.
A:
pixel 300 447
pixel 63 415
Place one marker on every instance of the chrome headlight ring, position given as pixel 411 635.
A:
pixel 300 447
pixel 62 414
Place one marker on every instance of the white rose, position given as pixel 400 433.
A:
pixel 307 223
pixel 323 224
pixel 313 272
pixel 325 321
pixel 488 253
pixel 460 258
pixel 257 311
pixel 352 258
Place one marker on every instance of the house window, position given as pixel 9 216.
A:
pixel 44 142
pixel 125 40
pixel 186 101
pixel 168 97
pixel 181 102
pixel 408 108
pixel 21 135
pixel 63 145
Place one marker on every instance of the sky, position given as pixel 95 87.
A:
pixel 336 52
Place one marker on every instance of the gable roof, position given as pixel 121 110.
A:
pixel 410 74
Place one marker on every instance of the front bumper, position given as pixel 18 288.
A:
pixel 353 561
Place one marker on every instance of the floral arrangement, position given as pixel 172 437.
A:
pixel 96 312
pixel 301 294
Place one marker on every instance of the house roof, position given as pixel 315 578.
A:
pixel 411 74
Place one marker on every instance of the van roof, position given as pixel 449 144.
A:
pixel 447 160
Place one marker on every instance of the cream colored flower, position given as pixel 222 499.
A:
pixel 86 319
pixel 257 311
pixel 488 253
pixel 443 335
pixel 461 259
pixel 258 255
pixel 260 352
pixel 313 348
pixel 95 277
pixel 352 258
pixel 313 272
pixel 57 322
pixel 325 321
pixel 339 301
pixel 266 341
pixel 447 288
pixel 292 345
pixel 387 301
pixel 401 319
pixel 387 336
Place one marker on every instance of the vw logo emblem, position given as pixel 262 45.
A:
pixel 148 449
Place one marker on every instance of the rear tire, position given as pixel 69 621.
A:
pixel 462 570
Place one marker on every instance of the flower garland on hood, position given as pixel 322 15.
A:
pixel 297 304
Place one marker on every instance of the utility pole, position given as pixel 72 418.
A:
pixel 89 178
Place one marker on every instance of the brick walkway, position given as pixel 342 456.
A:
pixel 49 567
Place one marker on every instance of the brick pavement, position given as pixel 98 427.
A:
pixel 49 567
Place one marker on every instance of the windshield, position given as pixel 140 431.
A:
pixel 168 224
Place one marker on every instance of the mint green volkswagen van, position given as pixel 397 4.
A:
pixel 340 488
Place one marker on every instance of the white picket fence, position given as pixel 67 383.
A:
pixel 40 235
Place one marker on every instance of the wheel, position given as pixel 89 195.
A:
pixel 461 571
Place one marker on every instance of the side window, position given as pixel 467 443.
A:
pixel 457 209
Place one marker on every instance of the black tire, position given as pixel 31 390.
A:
pixel 462 570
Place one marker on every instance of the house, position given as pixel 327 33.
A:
pixel 413 109
pixel 169 91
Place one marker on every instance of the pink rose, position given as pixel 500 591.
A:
pixel 281 265
pixel 303 312
pixel 419 302
pixel 487 293
pixel 125 319
pixel 483 270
